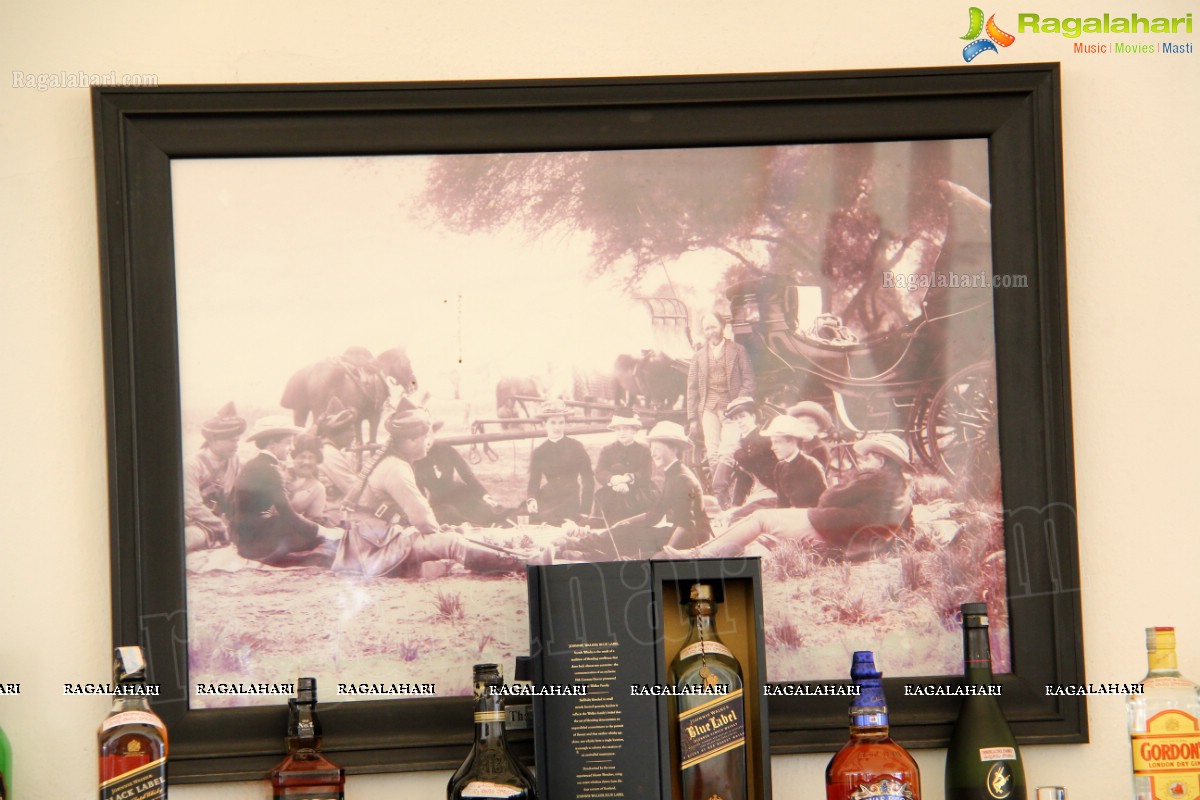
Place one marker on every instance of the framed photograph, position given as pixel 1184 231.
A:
pixel 292 274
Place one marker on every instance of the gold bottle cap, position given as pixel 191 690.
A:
pixel 1159 639
pixel 701 591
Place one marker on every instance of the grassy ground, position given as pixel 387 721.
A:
pixel 272 625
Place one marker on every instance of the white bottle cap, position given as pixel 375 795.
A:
pixel 1051 793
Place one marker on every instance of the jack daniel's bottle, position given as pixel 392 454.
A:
pixel 133 740
pixel 490 769
pixel 305 774
pixel 712 724
pixel 983 762
pixel 871 766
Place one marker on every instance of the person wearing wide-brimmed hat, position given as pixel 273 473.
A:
pixel 338 470
pixel 852 521
pixel 208 478
pixel 719 372
pixel 816 421
pixel 677 518
pixel 754 461
pixel 798 477
pixel 265 526
pixel 564 465
pixel 394 528
pixel 623 472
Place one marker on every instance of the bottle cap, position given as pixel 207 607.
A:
pixel 306 690
pixel 701 591
pixel 488 673
pixel 524 669
pixel 863 666
pixel 1162 638
pixel 975 615
pixel 1051 793
pixel 129 665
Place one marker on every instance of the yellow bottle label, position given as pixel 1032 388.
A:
pixel 1168 753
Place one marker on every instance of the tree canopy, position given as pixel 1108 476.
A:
pixel 834 215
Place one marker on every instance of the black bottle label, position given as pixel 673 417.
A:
pixel 1000 780
pixel 711 729
pixel 147 782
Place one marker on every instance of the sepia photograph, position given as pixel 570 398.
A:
pixel 404 378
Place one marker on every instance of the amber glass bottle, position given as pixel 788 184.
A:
pixel 712 725
pixel 871 765
pixel 133 740
pixel 490 769
pixel 305 774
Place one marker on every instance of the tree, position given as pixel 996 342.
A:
pixel 824 214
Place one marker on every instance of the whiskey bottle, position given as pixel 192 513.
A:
pixel 870 766
pixel 490 769
pixel 712 723
pixel 1163 726
pixel 983 761
pixel 133 740
pixel 305 774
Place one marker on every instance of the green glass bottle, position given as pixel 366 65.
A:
pixel 5 767
pixel 490 769
pixel 712 725
pixel 983 762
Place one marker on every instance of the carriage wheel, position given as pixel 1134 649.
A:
pixel 918 431
pixel 960 425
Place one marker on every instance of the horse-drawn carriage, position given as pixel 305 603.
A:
pixel 931 381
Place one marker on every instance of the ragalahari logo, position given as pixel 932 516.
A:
pixel 982 44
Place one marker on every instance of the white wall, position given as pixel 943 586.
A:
pixel 1131 171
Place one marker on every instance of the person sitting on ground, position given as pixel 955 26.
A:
pixel 798 477
pixel 754 461
pixel 394 529
pixel 208 478
pixel 266 527
pixel 338 471
pixel 306 493
pixel 678 518
pixel 852 521
pixel 453 491
pixel 623 473
pixel 817 423
pixel 567 469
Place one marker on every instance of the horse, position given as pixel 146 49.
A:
pixel 397 368
pixel 356 378
pixel 653 379
pixel 507 391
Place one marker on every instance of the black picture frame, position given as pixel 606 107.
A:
pixel 138 131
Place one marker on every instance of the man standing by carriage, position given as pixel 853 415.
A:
pixel 208 478
pixel 720 372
